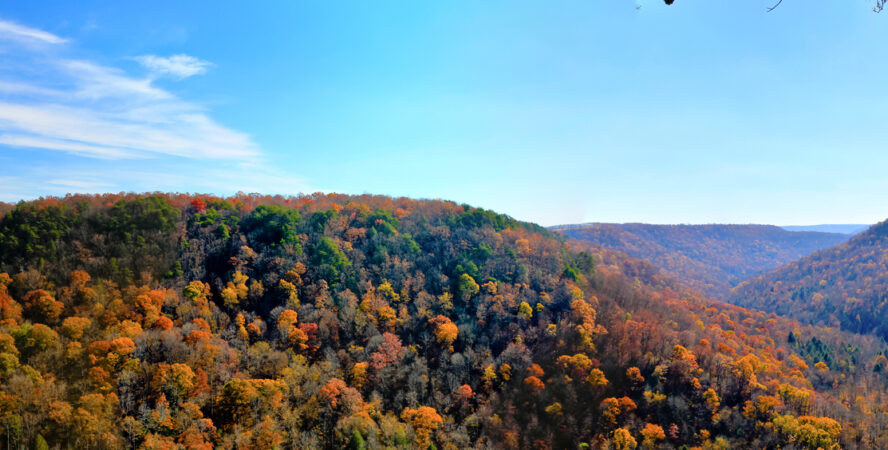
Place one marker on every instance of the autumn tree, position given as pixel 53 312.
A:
pixel 445 331
pixel 424 421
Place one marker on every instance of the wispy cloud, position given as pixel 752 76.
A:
pixel 92 151
pixel 179 66
pixel 96 82
pixel 94 110
pixel 80 185
pixel 14 31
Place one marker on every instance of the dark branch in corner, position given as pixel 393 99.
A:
pixel 775 6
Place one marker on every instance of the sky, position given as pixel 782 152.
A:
pixel 707 111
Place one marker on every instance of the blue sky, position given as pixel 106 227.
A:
pixel 554 112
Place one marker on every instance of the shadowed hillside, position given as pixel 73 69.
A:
pixel 845 285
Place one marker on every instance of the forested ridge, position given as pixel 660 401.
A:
pixel 330 321
pixel 710 258
pixel 843 286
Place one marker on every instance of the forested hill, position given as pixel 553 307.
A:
pixel 329 321
pixel 710 258
pixel 845 285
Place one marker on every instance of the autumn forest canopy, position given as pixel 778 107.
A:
pixel 719 279
pixel 331 321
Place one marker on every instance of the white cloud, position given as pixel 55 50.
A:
pixel 89 109
pixel 179 66
pixel 14 31
pixel 7 87
pixel 68 146
pixel 93 81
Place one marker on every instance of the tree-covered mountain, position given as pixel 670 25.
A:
pixel 330 321
pixel 710 258
pixel 845 285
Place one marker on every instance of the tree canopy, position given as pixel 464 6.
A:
pixel 330 321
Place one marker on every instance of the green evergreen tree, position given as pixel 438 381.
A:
pixel 357 441
pixel 40 443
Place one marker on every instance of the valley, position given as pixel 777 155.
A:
pixel 710 258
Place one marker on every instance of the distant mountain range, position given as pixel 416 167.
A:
pixel 841 228
pixel 710 258
pixel 843 285
pixel 835 275
pixel 829 228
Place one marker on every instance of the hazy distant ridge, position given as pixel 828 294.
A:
pixel 829 228
pixel 844 228
pixel 711 258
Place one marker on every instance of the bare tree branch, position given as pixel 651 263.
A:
pixel 880 5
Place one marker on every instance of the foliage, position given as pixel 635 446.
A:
pixel 843 286
pixel 181 321
pixel 272 225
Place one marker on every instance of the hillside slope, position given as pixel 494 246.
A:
pixel 710 258
pixel 845 285
pixel 329 321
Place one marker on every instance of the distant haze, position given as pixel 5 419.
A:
pixel 829 228
pixel 848 228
